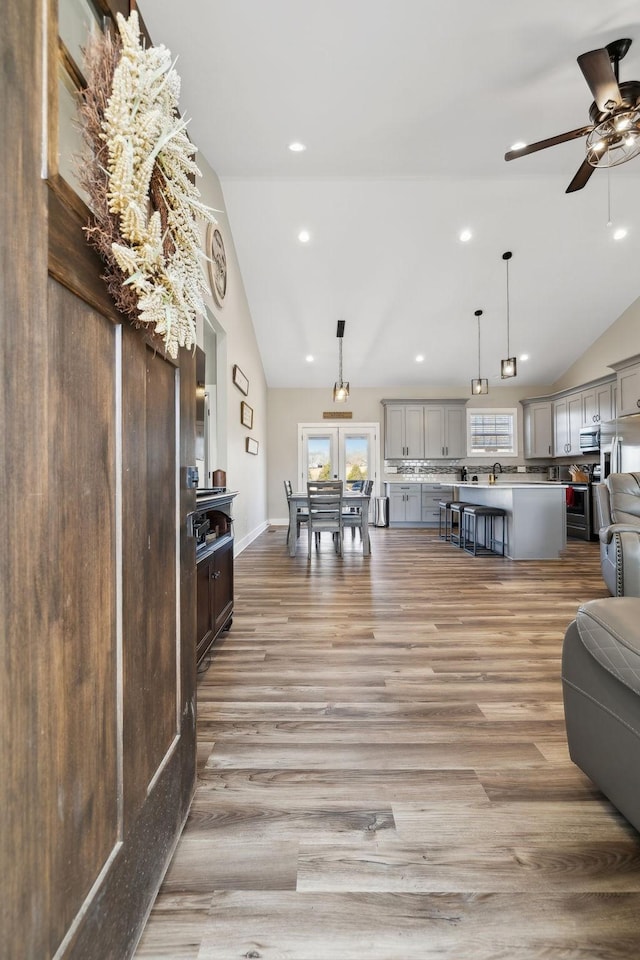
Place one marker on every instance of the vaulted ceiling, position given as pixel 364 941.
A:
pixel 406 109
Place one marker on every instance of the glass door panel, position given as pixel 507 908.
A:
pixel 357 457
pixel 319 459
pixel 332 453
pixel 319 455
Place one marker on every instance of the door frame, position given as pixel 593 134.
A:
pixel 336 431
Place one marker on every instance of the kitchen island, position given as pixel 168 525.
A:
pixel 536 515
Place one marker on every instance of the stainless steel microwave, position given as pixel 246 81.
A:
pixel 590 440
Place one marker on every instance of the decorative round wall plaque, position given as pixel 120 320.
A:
pixel 217 264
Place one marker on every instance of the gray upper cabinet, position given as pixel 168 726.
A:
pixel 628 386
pixel 567 419
pixel 444 431
pixel 430 430
pixel 552 424
pixel 597 404
pixel 538 429
pixel 403 431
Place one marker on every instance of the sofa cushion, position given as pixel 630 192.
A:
pixel 610 631
pixel 624 494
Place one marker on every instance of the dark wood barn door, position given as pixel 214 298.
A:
pixel 97 697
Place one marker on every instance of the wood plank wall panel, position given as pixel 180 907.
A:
pixel 80 648
pixel 149 596
pixel 23 504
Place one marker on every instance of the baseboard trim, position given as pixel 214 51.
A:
pixel 240 545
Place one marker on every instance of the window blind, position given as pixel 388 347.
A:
pixel 491 432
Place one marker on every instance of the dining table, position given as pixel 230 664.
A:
pixel 356 499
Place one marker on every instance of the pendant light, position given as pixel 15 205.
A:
pixel 481 385
pixel 508 367
pixel 340 388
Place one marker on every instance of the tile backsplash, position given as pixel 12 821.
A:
pixel 418 469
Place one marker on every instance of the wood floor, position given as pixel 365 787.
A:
pixel 383 768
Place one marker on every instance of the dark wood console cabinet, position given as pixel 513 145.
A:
pixel 213 528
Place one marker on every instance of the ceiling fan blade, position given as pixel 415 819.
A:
pixel 550 142
pixel 584 172
pixel 598 72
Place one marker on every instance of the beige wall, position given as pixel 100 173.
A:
pixel 288 408
pixel 619 341
pixel 245 473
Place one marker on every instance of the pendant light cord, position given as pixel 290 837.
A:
pixel 506 257
pixel 478 315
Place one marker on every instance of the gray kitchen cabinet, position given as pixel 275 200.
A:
pixel 432 493
pixel 567 421
pixel 405 504
pixel 445 431
pixel 404 431
pixel 628 387
pixel 538 428
pixel 597 404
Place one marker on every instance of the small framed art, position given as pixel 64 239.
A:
pixel 246 415
pixel 252 446
pixel 240 380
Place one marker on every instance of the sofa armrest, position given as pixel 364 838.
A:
pixel 606 534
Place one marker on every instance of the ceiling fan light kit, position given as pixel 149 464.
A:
pixel 340 387
pixel 613 136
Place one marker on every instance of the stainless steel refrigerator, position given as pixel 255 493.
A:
pixel 620 446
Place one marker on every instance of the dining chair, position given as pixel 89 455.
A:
pixel 302 515
pixel 352 516
pixel 324 504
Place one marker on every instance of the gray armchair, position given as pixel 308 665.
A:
pixel 617 502
pixel 601 690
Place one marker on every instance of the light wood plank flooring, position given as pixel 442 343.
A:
pixel 383 771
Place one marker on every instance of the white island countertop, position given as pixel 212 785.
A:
pixel 536 527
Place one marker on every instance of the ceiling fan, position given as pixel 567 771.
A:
pixel 613 136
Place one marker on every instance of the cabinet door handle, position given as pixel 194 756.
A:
pixel 215 574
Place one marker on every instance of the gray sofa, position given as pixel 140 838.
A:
pixel 601 689
pixel 617 503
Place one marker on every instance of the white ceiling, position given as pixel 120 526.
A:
pixel 407 108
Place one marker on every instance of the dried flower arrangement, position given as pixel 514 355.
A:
pixel 138 169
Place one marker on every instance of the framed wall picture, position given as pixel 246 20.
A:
pixel 246 415
pixel 252 445
pixel 240 380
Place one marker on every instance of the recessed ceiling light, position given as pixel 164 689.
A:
pixel 620 233
pixel 309 358
pixel 304 236
pixel 520 145
pixel 524 357
pixel 419 358
pixel 465 235
pixel 297 147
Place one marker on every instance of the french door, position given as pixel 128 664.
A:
pixel 349 453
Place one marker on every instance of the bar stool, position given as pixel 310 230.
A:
pixel 445 505
pixel 456 508
pixel 469 529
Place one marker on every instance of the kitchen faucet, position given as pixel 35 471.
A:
pixel 492 475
